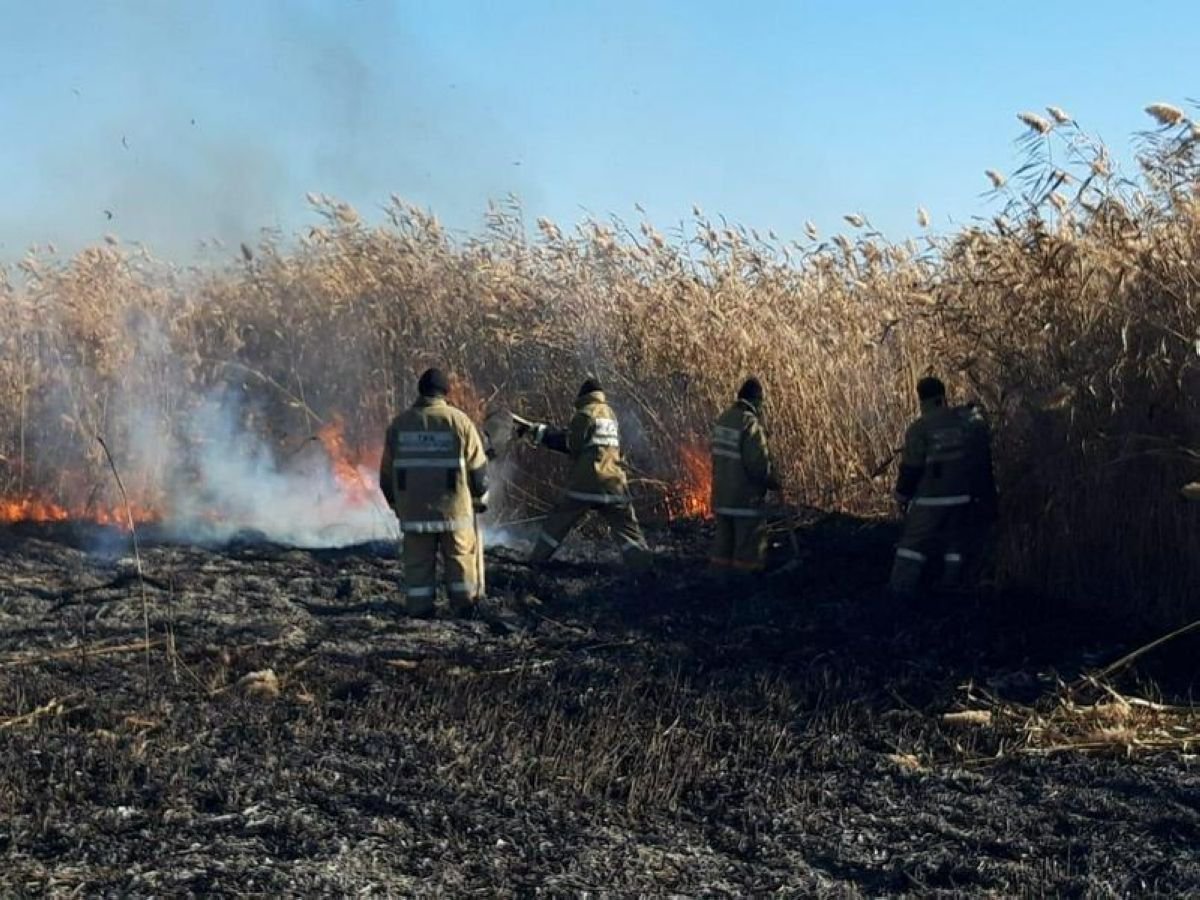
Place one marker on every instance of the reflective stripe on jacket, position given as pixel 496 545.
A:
pixel 945 453
pixel 432 455
pixel 594 447
pixel 741 463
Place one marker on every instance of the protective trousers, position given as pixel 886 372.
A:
pixel 928 530
pixel 619 516
pixel 739 543
pixel 460 564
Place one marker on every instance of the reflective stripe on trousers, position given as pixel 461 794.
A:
pixel 739 512
pixel 956 500
pixel 435 526
pixel 905 553
pixel 598 498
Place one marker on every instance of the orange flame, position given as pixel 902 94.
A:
pixel 29 508
pixel 352 474
pixel 691 497
pixel 346 465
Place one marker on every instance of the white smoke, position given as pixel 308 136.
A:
pixel 223 482
pixel 497 531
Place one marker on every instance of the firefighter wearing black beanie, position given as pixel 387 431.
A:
pixel 596 481
pixel 434 476
pixel 742 476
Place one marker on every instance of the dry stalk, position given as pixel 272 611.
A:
pixel 84 652
pixel 1130 658
pixel 137 559
pixel 51 708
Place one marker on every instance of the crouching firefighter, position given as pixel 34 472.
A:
pixel 742 476
pixel 434 475
pixel 596 482
pixel 946 490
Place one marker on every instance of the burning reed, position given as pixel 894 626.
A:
pixel 1071 316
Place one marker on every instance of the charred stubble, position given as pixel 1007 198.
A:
pixel 588 732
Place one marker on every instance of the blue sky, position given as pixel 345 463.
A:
pixel 201 119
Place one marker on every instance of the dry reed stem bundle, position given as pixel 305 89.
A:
pixel 1109 722
pixel 1117 724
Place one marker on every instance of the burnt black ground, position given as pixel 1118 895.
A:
pixel 590 732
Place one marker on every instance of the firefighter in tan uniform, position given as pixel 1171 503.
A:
pixel 742 476
pixel 596 482
pixel 434 475
pixel 946 489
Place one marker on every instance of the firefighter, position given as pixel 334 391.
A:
pixel 742 476
pixel 945 489
pixel 596 481
pixel 434 475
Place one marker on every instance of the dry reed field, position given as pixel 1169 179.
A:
pixel 1071 314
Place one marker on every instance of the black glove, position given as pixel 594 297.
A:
pixel 479 504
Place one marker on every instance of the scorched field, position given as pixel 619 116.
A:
pixel 288 731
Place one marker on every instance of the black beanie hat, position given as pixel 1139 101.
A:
pixel 590 385
pixel 930 388
pixel 751 390
pixel 433 383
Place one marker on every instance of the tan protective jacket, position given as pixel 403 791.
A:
pixel 433 464
pixel 741 463
pixel 593 443
pixel 939 460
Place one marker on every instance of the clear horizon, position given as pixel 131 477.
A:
pixel 185 123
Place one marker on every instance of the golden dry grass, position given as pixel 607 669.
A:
pixel 1113 725
pixel 1072 316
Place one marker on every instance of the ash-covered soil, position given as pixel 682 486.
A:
pixel 588 733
